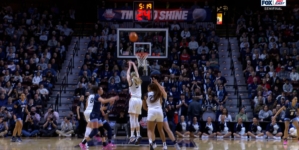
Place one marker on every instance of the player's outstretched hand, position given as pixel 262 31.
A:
pixel 130 62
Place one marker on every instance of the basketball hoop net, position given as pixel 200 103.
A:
pixel 141 58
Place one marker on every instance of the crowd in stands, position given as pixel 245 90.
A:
pixel 269 45
pixel 33 45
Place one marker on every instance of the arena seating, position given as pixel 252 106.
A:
pixel 33 44
pixel 269 51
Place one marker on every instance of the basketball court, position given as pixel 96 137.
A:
pixel 185 144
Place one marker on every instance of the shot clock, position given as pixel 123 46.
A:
pixel 143 11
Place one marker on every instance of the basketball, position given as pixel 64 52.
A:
pixel 133 37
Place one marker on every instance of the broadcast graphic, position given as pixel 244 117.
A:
pixel 271 3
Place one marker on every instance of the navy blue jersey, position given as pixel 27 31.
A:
pixel 20 106
pixel 97 104
pixel 291 110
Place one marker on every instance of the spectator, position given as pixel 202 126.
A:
pixel 283 74
pixel 185 34
pixel 222 95
pixel 80 90
pixel 49 127
pixel 3 100
pixel 67 128
pixel 265 114
pixel 3 127
pixel 53 114
pixel 121 122
pixel 294 76
pixel 35 116
pixel 241 115
pixel 273 130
pixel 30 128
pixel 288 87
pixel 194 128
pixel 155 68
pixel 182 128
pixel 112 86
pixel 255 130
pixel 193 45
pixel 182 106
pixel 194 109
pixel 210 129
pixel 202 48
pixel 37 79
pixel 240 129
pixel 227 117
pixel 5 113
pixel 223 129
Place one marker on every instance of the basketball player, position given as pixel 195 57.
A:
pixel 135 102
pixel 165 124
pixel 20 108
pixel 290 115
pixel 88 110
pixel 95 119
pixel 105 112
pixel 155 112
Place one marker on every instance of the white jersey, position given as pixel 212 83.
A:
pixel 154 105
pixel 135 90
pixel 90 102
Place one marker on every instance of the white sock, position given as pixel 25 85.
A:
pixel 138 133
pixel 87 131
pixel 132 134
pixel 150 141
pixel 164 144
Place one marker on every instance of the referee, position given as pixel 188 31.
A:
pixel 80 116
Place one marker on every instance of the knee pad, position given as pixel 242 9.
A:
pixel 101 129
pixel 93 133
pixel 107 126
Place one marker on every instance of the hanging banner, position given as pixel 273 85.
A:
pixel 197 14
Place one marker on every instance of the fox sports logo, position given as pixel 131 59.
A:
pixel 273 2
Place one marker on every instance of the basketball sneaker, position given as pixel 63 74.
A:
pixel 83 146
pixel 13 139
pixel 19 139
pixel 110 145
pixel 151 146
pixel 176 146
pixel 285 141
pixel 132 139
pixel 164 147
pixel 154 145
pixel 138 139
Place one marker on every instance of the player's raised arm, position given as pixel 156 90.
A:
pixel 160 88
pixel 128 74
pixel 135 69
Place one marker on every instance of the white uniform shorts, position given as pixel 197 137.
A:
pixel 135 105
pixel 87 115
pixel 155 114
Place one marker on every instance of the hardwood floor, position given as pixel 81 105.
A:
pixel 186 144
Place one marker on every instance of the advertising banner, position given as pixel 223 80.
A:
pixel 197 14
